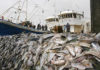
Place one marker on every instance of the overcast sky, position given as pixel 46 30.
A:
pixel 46 8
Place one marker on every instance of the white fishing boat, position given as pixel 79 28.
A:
pixel 75 19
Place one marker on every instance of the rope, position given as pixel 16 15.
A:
pixel 33 14
pixel 9 8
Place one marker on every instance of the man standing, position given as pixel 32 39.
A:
pixel 46 28
pixel 64 28
pixel 68 27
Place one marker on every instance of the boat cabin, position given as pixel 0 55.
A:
pixel 75 19
pixel 53 24
pixel 70 14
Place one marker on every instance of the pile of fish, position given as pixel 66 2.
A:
pixel 50 52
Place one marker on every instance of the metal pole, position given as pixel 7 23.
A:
pixel 19 11
pixel 26 8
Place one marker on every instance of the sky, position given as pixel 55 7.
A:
pixel 39 10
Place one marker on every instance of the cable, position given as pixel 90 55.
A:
pixel 9 8
pixel 33 14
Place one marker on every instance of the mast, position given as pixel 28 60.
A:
pixel 20 7
pixel 54 9
pixel 19 11
pixel 26 9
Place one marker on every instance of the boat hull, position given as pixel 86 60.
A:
pixel 8 28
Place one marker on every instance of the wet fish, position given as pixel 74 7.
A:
pixel 71 50
pixel 96 46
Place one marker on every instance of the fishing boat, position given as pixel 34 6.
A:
pixel 8 27
pixel 76 20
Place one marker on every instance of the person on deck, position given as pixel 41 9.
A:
pixel 64 28
pixel 33 26
pixel 42 27
pixel 68 27
pixel 2 17
pixel 46 27
pixel 38 26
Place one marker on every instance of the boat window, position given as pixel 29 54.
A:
pixel 51 20
pixel 62 16
pixel 66 16
pixel 79 16
pixel 69 15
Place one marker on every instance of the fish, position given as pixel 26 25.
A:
pixel 58 40
pixel 58 62
pixel 29 61
pixel 93 53
pixel 43 59
pixel 38 52
pixel 71 49
pixel 78 50
pixel 84 44
pixel 96 46
pixel 64 51
pixel 50 56
pixel 66 65
pixel 78 65
pixel 97 37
